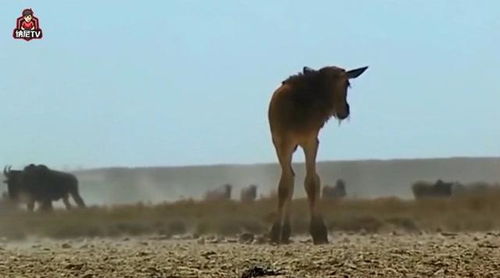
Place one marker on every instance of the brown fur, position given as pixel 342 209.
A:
pixel 299 108
pixel 306 101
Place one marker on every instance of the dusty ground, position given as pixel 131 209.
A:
pixel 437 255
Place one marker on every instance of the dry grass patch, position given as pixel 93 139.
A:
pixel 478 212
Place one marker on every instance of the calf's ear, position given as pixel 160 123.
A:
pixel 355 72
pixel 307 70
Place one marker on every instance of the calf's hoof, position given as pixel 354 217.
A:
pixel 280 234
pixel 318 230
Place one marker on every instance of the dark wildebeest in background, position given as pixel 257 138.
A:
pixel 221 193
pixel 425 190
pixel 249 193
pixel 39 184
pixel 338 191
pixel 298 110
pixel 16 190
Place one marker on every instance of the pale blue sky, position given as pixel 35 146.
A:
pixel 138 83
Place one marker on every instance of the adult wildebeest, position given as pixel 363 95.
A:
pixel 39 184
pixel 425 190
pixel 249 193
pixel 221 193
pixel 334 192
pixel 298 110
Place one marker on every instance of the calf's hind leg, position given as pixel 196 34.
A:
pixel 280 231
pixel 317 226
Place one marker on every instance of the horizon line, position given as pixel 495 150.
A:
pixel 276 163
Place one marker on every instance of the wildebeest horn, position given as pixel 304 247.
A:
pixel 6 170
pixel 355 72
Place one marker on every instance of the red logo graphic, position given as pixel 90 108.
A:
pixel 27 27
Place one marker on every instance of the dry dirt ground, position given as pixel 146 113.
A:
pixel 348 255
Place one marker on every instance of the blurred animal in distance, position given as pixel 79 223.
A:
pixel 249 193
pixel 426 190
pixel 221 193
pixel 338 191
pixel 39 184
pixel 298 110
